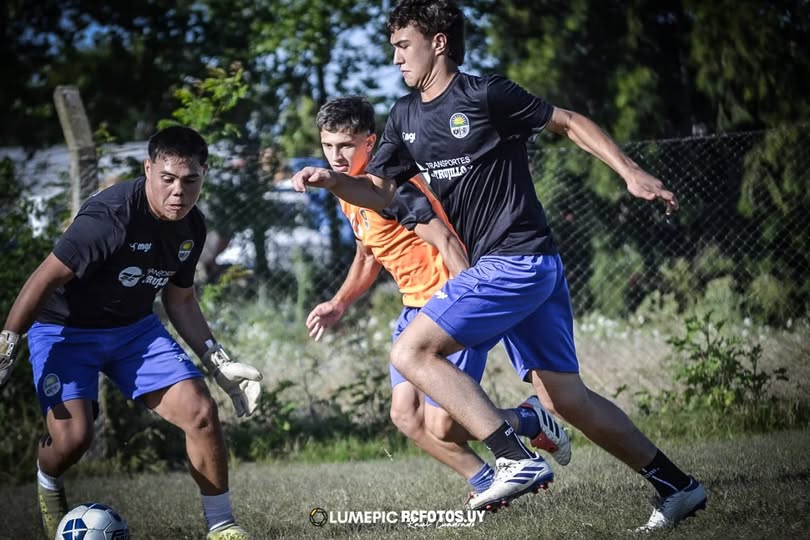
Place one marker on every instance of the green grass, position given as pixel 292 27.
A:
pixel 758 487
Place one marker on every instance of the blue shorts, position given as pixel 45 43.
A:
pixel 470 361
pixel 523 300
pixel 139 358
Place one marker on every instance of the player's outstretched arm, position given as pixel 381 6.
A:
pixel 437 234
pixel 240 381
pixel 590 137
pixel 368 191
pixel 50 274
pixel 362 273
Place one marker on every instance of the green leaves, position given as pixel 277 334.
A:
pixel 204 103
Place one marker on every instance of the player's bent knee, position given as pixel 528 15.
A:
pixel 406 354
pixel 407 421
pixel 204 415
pixel 72 443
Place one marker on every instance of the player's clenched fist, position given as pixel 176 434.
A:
pixel 314 177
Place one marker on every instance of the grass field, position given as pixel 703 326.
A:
pixel 759 487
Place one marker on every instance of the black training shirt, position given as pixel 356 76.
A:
pixel 122 256
pixel 470 143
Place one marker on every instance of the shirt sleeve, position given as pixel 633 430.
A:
pixel 93 236
pixel 513 110
pixel 392 159
pixel 409 207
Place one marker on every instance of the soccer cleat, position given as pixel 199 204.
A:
pixel 52 507
pixel 513 478
pixel 675 508
pixel 552 437
pixel 229 531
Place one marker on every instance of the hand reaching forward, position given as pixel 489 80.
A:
pixel 324 316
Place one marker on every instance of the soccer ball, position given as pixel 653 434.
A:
pixel 92 521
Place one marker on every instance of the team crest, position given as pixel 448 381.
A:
pixel 51 385
pixel 459 125
pixel 185 250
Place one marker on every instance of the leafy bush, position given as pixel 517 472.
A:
pixel 23 251
pixel 720 384
pixel 721 298
pixel 719 371
pixel 766 298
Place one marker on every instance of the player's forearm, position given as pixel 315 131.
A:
pixel 586 134
pixel 437 234
pixel 189 321
pixel 455 258
pixel 366 191
pixel 359 280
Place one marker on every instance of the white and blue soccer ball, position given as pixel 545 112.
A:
pixel 92 521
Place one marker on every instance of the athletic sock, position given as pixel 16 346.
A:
pixel 481 480
pixel 504 442
pixel 217 510
pixel 528 422
pixel 50 482
pixel 664 475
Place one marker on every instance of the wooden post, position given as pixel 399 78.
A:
pixel 83 183
pixel 79 139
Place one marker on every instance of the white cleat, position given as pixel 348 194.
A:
pixel 512 479
pixel 552 437
pixel 675 508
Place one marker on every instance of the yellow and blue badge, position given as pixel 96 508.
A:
pixel 185 250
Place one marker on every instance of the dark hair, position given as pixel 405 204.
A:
pixel 178 141
pixel 432 17
pixel 351 113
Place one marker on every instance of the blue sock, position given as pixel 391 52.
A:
pixel 529 424
pixel 482 479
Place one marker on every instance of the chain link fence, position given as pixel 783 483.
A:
pixel 739 247
pixel 741 235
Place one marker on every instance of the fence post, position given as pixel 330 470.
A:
pixel 83 183
pixel 79 139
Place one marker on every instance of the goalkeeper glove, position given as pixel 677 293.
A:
pixel 8 351
pixel 240 381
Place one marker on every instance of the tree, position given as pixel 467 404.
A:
pixel 115 52
pixel 652 70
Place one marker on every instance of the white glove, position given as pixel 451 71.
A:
pixel 8 351
pixel 240 381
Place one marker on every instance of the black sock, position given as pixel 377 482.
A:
pixel 505 443
pixel 664 475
